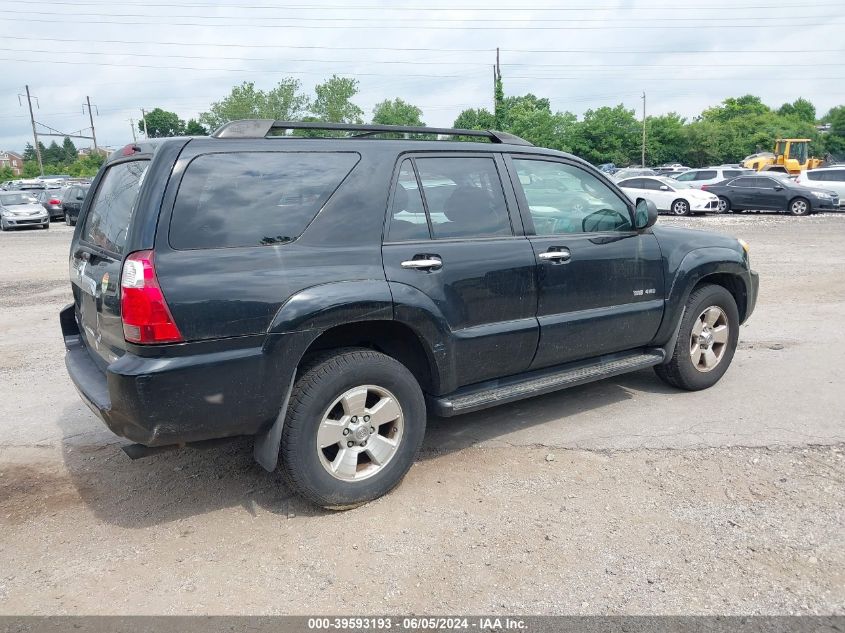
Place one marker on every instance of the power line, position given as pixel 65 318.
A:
pixel 572 66
pixel 416 20
pixel 304 7
pixel 599 51
pixel 423 27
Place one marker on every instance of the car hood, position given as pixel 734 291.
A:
pixel 25 208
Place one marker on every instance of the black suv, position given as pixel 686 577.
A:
pixel 324 294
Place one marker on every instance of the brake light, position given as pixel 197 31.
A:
pixel 704 187
pixel 143 310
pixel 54 201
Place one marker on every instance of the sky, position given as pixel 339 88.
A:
pixel 182 55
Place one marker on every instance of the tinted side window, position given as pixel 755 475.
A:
pixel 108 218
pixel 765 183
pixel 253 198
pixel 731 173
pixel 407 214
pixel 743 182
pixel 566 199
pixel 816 175
pixel 708 174
pixel 464 197
pixel 690 175
pixel 651 184
pixel 835 176
pixel 632 183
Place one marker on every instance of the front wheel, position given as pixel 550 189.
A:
pixel 354 425
pixel 799 206
pixel 724 205
pixel 680 207
pixel 706 340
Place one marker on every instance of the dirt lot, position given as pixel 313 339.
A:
pixel 619 497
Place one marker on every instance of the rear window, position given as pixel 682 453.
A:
pixel 254 198
pixel 108 218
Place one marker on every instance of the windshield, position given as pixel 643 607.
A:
pixel 676 184
pixel 12 199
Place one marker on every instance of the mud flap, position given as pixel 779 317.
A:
pixel 669 348
pixel 266 449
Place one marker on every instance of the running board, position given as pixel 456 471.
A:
pixel 535 383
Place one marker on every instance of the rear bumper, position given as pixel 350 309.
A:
pixel 179 398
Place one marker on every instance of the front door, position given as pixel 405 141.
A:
pixel 453 254
pixel 771 193
pixel 600 282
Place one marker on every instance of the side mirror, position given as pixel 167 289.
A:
pixel 645 214
pixel 664 187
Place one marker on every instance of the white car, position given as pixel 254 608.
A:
pixel 711 175
pixel 678 198
pixel 831 178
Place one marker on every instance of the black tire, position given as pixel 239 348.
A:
pixel 321 381
pixel 679 207
pixel 800 206
pixel 724 205
pixel 680 371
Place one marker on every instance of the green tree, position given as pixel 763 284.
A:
pixel 195 128
pixel 29 152
pixel 161 123
pixel 835 138
pixel 69 151
pixel 333 101
pixel 665 140
pixel 475 119
pixel 284 102
pixel 800 109
pixel 734 107
pixel 54 154
pixel 397 112
pixel 610 135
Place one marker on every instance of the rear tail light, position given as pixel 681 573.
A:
pixel 704 187
pixel 146 317
pixel 54 201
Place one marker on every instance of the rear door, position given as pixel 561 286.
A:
pixel 456 247
pixel 97 254
pixel 600 282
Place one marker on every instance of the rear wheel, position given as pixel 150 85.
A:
pixel 680 207
pixel 799 206
pixel 706 340
pixel 68 221
pixel 724 205
pixel 354 425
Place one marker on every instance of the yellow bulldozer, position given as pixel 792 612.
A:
pixel 791 153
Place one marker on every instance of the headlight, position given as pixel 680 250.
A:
pixel 821 194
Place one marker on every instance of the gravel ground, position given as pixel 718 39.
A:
pixel 620 497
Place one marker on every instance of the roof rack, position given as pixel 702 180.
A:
pixel 260 128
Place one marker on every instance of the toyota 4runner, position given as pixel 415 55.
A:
pixel 324 294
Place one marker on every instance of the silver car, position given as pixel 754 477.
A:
pixel 18 208
pixel 711 175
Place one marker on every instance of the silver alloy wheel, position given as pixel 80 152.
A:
pixel 360 433
pixel 723 205
pixel 799 207
pixel 709 339
pixel 681 207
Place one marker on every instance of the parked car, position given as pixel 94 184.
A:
pixel 711 175
pixel 630 172
pixel 671 169
pixel 769 193
pixel 249 283
pixel 19 209
pixel 51 199
pixel 830 178
pixel 678 198
pixel 72 199
pixel 608 168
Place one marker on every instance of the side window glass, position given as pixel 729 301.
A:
pixel 690 175
pixel 705 175
pixel 836 176
pixel 407 214
pixel 464 197
pixel 651 184
pixel 566 199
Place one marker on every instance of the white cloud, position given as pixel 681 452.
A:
pixel 229 42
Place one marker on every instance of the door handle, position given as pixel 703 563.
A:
pixel 562 255
pixel 428 262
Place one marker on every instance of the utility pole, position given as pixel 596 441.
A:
pixel 132 127
pixel 643 158
pixel 34 132
pixel 144 116
pixel 91 118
